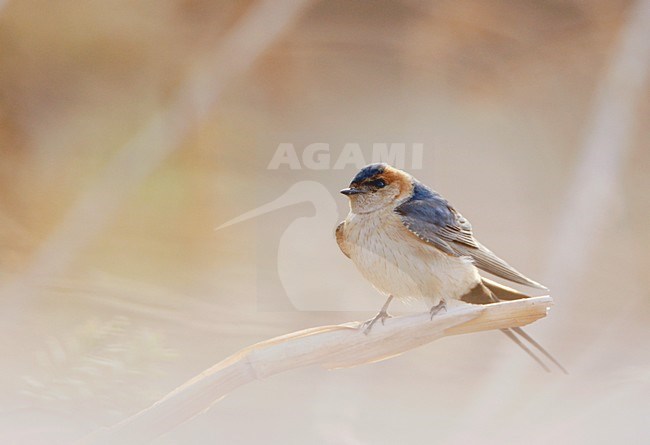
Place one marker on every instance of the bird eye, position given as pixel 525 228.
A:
pixel 379 183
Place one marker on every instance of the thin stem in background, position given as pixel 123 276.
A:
pixel 264 23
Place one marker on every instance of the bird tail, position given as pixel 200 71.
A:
pixel 501 292
pixel 492 292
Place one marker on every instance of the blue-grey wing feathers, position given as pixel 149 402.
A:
pixel 430 217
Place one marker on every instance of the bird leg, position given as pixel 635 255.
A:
pixel 382 315
pixel 437 308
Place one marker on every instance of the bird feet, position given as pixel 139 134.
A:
pixel 367 325
pixel 437 308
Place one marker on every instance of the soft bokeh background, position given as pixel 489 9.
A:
pixel 129 130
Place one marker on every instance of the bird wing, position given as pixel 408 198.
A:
pixel 339 238
pixel 430 217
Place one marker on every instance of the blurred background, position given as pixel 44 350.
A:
pixel 130 130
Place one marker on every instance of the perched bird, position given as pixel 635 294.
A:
pixel 410 243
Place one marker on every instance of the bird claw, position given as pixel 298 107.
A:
pixel 437 308
pixel 368 324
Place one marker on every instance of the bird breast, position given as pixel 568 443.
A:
pixel 398 263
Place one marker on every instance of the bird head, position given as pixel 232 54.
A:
pixel 377 186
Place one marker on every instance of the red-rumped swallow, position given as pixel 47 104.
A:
pixel 410 243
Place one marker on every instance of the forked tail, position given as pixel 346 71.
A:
pixel 491 292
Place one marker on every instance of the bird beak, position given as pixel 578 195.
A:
pixel 351 191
